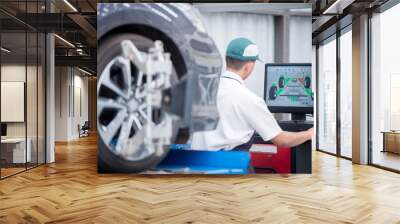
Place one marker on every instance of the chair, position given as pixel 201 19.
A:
pixel 84 129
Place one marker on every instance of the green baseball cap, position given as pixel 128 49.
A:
pixel 242 49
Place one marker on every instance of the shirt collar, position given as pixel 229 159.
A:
pixel 232 75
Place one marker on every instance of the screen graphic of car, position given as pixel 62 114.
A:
pixel 292 87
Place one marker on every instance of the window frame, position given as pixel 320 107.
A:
pixel 334 37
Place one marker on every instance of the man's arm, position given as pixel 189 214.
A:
pixel 290 139
pixel 263 122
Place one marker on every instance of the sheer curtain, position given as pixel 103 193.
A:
pixel 300 39
pixel 223 27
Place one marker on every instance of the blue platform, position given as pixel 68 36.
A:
pixel 181 159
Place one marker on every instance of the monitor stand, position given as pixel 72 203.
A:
pixel 297 123
pixel 301 154
pixel 298 117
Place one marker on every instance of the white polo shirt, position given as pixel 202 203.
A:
pixel 241 112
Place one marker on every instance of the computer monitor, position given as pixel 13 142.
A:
pixel 287 88
pixel 3 129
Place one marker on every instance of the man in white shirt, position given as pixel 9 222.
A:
pixel 241 112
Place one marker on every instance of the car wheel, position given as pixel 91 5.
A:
pixel 272 93
pixel 281 82
pixel 307 82
pixel 121 120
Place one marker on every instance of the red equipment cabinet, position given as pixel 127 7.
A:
pixel 272 162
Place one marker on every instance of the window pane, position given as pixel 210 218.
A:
pixel 346 94
pixel 14 153
pixel 327 97
pixel 22 79
pixel 386 88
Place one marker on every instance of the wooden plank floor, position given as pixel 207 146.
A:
pixel 71 191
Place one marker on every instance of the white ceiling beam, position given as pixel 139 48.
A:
pixel 300 9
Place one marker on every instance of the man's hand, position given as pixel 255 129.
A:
pixel 290 139
pixel 311 133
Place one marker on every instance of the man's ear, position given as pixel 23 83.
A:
pixel 248 67
pixel 252 66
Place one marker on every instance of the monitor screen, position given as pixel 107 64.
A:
pixel 288 88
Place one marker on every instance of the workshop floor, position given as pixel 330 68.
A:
pixel 71 191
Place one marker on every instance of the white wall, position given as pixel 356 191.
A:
pixel 70 83
pixel 79 117
pixel 61 103
pixel 223 27
pixel 12 73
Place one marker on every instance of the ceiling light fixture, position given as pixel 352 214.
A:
pixel 79 51
pixel 70 5
pixel 5 50
pixel 84 71
pixel 64 40
pixel 337 7
pixel 326 11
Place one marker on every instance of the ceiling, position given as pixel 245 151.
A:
pixel 332 15
pixel 74 21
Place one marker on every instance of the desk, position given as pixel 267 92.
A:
pixel 284 160
pixel 299 156
pixel 267 158
pixel 391 141
pixel 15 148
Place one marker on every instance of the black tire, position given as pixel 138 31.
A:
pixel 108 161
pixel 272 93
pixel 281 82
pixel 307 82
